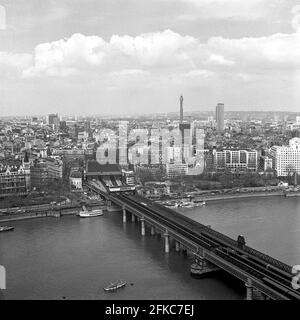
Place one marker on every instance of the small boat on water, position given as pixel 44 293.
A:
pixel 115 286
pixel 6 228
pixel 199 203
pixel 171 206
pixel 92 213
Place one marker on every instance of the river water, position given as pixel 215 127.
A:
pixel 72 258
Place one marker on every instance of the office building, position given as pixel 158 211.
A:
pixel 220 116
pixel 236 160
pixel 286 159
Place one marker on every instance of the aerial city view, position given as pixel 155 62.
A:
pixel 149 150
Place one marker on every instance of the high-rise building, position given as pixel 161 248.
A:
pixel 220 116
pixel 53 119
pixel 181 109
pixel 87 127
pixel 122 143
pixel 62 125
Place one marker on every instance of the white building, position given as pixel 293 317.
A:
pixel 128 177
pixel 286 159
pixel 176 169
pixel 266 163
pixel 76 180
pixel 236 159
pixel 174 155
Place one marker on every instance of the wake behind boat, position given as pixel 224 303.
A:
pixel 92 213
pixel 115 286
pixel 6 228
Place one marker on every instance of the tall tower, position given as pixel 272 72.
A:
pixel 220 116
pixel 181 109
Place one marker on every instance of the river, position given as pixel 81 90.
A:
pixel 72 258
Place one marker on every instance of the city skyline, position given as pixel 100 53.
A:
pixel 103 56
pixel 146 145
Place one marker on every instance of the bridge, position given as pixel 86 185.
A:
pixel 264 277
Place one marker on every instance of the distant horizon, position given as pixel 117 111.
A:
pixel 148 114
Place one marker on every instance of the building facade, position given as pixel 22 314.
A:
pixel 286 159
pixel 43 171
pixel 236 160
pixel 176 169
pixel 14 180
pixel 220 116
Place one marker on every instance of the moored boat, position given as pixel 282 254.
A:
pixel 92 213
pixel 6 228
pixel 199 203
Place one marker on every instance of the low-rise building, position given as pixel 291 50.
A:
pixel 265 163
pixel 45 170
pixel 237 160
pixel 14 179
pixel 176 169
pixel 76 180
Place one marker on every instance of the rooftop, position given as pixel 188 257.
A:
pixel 94 167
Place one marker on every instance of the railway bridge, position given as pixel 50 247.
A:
pixel 264 277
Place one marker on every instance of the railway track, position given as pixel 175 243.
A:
pixel 226 248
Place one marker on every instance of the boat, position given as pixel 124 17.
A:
pixel 200 203
pixel 172 206
pixel 115 286
pixel 6 228
pixel 92 213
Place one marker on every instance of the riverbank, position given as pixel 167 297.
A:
pixel 241 196
pixel 34 215
pixel 42 214
pixel 235 196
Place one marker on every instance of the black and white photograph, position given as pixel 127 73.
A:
pixel 150 152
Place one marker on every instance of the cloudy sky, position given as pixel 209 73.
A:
pixel 130 56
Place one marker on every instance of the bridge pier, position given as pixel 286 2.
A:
pixel 132 218
pixel 143 229
pixel 201 267
pixel 124 215
pixel 177 246
pixel 152 231
pixel 257 295
pixel 167 242
pixel 249 288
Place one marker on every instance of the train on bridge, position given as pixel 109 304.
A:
pixel 264 276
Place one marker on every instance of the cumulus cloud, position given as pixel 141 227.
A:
pixel 276 51
pixel 64 57
pixel 217 59
pixel 151 50
pixel 159 54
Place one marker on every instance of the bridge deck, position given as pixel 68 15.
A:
pixel 269 275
